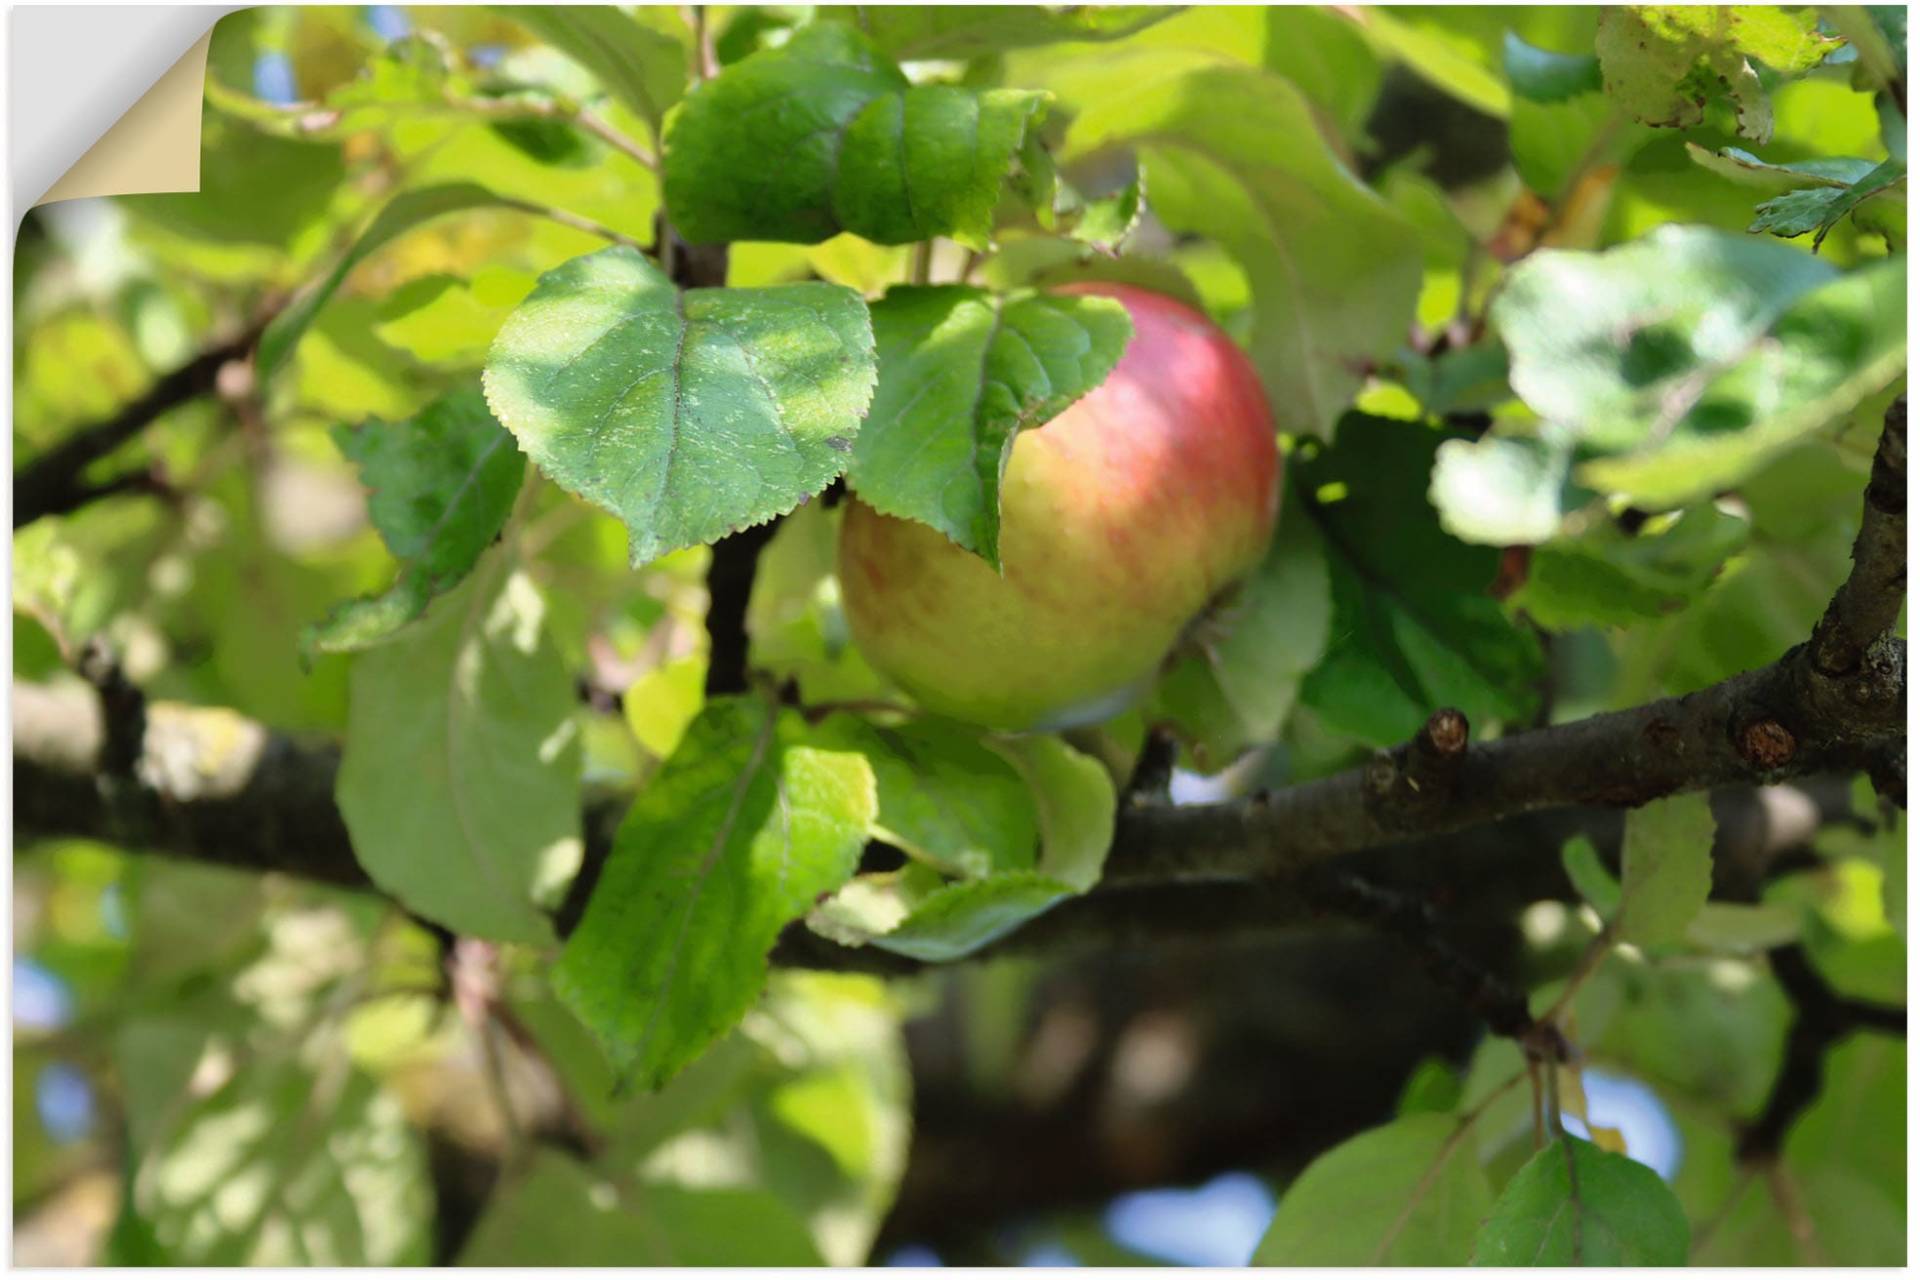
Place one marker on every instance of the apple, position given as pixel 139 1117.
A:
pixel 1121 521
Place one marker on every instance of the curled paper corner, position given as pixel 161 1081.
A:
pixel 154 147
pixel 80 67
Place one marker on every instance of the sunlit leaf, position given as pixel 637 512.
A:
pixel 1663 63
pixel 440 487
pixel 944 796
pixel 688 415
pixel 460 782
pixel 662 703
pixel 642 66
pixel 559 1208
pixel 281 1167
pixel 962 373
pixel 401 214
pixel 748 824
pixel 1697 354
pixel 965 31
pixel 853 147
pixel 1236 156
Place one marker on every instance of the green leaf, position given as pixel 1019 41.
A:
pixel 1590 879
pixel 1608 577
pixel 1238 686
pixel 1696 354
pixel 747 825
pixel 662 703
pixel 958 919
pixel 1413 626
pixel 1407 1194
pixel 962 373
pixel 259 197
pixel 688 415
pixel 1105 223
pixel 832 1140
pixel 1237 156
pixel 824 135
pixel 807 1099
pixel 911 32
pixel 916 913
pixel 1561 126
pixel 1741 927
pixel 1035 181
pixel 1664 63
pixel 1749 170
pixel 460 780
pixel 1818 209
pixel 1501 490
pixel 441 319
pixel 440 487
pixel 279 1166
pixel 795 622
pixel 560 1212
pixel 1541 75
pixel 644 68
pixel 1573 1204
pixel 1666 869
pixel 400 215
pixel 1847 1128
pixel 944 796
pixel 1877 840
pixel 1448 49
pixel 1076 802
pixel 1434 1085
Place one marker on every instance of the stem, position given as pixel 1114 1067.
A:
pixel 568 218
pixel 705 64
pixel 1588 965
pixel 1439 1161
pixel 923 262
pixel 619 141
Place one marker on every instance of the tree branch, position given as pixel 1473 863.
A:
pixel 730 573
pixel 1821 1019
pixel 52 483
pixel 736 556
pixel 1780 722
pixel 213 786
pixel 1868 603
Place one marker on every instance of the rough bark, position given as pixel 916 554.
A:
pixel 215 787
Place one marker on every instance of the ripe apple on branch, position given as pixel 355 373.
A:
pixel 1122 519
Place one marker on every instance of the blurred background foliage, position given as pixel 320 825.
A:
pixel 215 1067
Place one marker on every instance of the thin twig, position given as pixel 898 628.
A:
pixel 599 128
pixel 53 483
pixel 1588 965
pixel 568 218
pixel 1440 1157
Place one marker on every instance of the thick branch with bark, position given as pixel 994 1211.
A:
pixel 1868 603
pixel 1784 721
pixel 213 786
